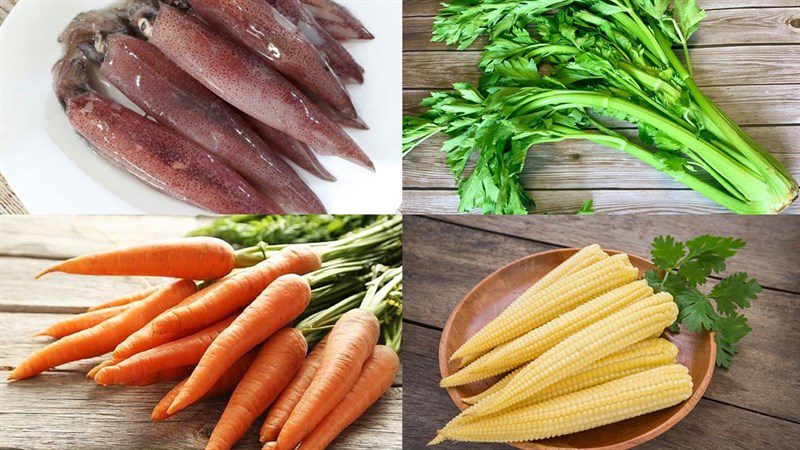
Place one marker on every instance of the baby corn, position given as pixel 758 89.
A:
pixel 533 310
pixel 532 344
pixel 638 357
pixel 617 400
pixel 604 337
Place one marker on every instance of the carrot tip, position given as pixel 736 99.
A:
pixel 177 404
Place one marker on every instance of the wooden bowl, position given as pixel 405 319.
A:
pixel 491 296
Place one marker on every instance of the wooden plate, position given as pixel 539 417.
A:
pixel 696 351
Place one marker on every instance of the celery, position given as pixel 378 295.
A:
pixel 550 77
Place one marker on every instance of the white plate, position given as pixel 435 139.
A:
pixel 52 169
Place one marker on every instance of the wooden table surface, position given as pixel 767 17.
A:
pixel 754 405
pixel 746 57
pixel 61 408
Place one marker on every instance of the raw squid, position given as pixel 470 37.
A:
pixel 175 99
pixel 242 79
pixel 338 57
pixel 151 152
pixel 298 152
pixel 258 26
pixel 337 20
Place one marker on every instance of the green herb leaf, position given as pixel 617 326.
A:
pixel 729 331
pixel 667 252
pixel 735 292
pixel 688 16
pixel 587 208
pixel 683 268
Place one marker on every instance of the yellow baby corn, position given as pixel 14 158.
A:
pixel 617 400
pixel 638 357
pixel 531 311
pixel 604 337
pixel 492 389
pixel 584 258
pixel 535 342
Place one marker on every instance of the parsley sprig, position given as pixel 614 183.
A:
pixel 683 269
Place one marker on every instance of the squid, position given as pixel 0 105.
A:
pixel 244 80
pixel 152 152
pixel 338 57
pixel 173 98
pixel 337 20
pixel 296 151
pixel 258 26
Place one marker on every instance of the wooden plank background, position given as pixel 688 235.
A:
pixel 60 408
pixel 755 404
pixel 746 57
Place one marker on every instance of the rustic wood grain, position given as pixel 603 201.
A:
pixel 63 410
pixel 60 408
pixel 566 201
pixel 431 7
pixel 58 292
pixel 711 425
pixel 772 257
pixel 583 165
pixel 63 237
pixel 720 27
pixel 447 260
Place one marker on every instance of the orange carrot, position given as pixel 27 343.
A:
pixel 130 298
pixel 278 360
pixel 376 378
pixel 147 338
pixel 174 373
pixel 285 404
pixel 78 322
pixel 104 336
pixel 350 343
pixel 182 352
pixel 236 291
pixel 279 304
pixel 226 383
pixel 196 258
pixel 109 362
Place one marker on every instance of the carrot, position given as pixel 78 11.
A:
pixel 104 336
pixel 195 258
pixel 226 383
pixel 147 338
pixel 237 291
pixel 278 360
pixel 182 352
pixel 109 362
pixel 350 343
pixel 279 304
pixel 78 322
pixel 124 300
pixel 375 379
pixel 174 373
pixel 285 404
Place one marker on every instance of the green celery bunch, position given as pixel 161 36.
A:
pixel 552 77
